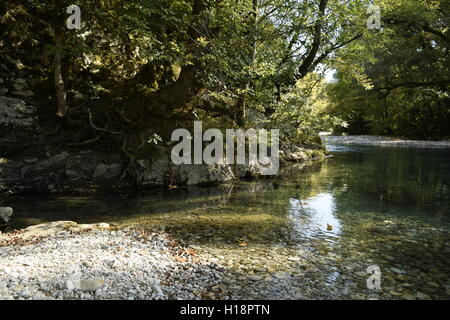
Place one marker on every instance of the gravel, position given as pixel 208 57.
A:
pixel 65 260
pixel 101 264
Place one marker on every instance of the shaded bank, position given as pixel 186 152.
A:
pixel 90 170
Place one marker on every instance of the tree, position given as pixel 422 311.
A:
pixel 396 81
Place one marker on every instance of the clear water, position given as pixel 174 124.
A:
pixel 386 206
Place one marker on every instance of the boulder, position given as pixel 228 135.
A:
pixel 107 172
pixel 46 229
pixel 51 228
pixel 5 214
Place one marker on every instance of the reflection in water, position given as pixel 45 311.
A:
pixel 310 217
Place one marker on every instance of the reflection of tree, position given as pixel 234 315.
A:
pixel 400 180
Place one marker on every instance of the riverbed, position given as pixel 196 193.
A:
pixel 309 234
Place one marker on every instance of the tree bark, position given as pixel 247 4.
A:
pixel 241 104
pixel 309 60
pixel 59 81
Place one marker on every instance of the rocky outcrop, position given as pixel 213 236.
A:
pixel 44 171
pixel 61 172
pixel 163 172
pixel 88 170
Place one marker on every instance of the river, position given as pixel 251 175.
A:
pixel 308 234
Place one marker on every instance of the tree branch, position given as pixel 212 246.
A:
pixel 306 64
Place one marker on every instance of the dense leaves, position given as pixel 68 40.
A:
pixel 396 81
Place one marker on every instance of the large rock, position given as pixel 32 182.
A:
pixel 5 214
pixel 191 174
pixel 157 173
pixel 163 172
pixel 107 172
pixel 50 228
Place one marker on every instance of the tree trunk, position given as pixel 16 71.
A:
pixel 59 81
pixel 241 104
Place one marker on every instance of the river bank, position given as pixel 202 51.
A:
pixel 385 141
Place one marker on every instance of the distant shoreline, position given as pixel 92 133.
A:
pixel 365 140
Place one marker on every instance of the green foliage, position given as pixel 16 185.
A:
pixel 142 68
pixel 395 82
pixel 301 114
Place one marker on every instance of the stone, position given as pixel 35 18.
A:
pixel 70 285
pixel 91 285
pixel 59 160
pixel 84 226
pixel 25 93
pixel 30 160
pixel 294 259
pixel 252 236
pixel 158 290
pixel 103 225
pixel 396 270
pixel 81 166
pixel 255 277
pixel 44 229
pixel 5 214
pixel 20 81
pixel 18 86
pixel 73 175
pixel 14 164
pixel 18 288
pixel 422 296
pixel 106 172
